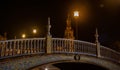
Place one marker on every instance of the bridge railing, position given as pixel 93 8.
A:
pixel 20 47
pixel 60 45
pixel 109 54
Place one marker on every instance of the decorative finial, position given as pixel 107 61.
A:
pixel 96 35
pixel 49 26
pixel 97 43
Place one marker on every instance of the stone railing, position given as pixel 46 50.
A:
pixel 60 45
pixel 19 47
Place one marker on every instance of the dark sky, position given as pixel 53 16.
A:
pixel 21 16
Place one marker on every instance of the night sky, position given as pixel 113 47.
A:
pixel 21 16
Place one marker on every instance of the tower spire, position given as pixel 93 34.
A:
pixel 69 33
pixel 68 21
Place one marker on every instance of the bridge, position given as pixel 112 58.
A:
pixel 24 54
pixel 58 50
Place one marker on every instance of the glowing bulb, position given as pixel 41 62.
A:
pixel 23 35
pixel 76 13
pixel 34 31
pixel 46 68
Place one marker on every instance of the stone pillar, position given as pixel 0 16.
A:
pixel 48 46
pixel 97 43
pixel 98 49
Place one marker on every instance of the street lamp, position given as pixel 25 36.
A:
pixel 23 35
pixel 76 15
pixel 34 31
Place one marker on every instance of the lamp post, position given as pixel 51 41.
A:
pixel 76 15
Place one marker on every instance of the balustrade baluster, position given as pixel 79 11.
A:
pixel 14 47
pixel 42 46
pixel 66 45
pixel 31 49
pixel 54 46
pixel 4 51
pixel 1 52
pixel 28 46
pixel 85 48
pixel 24 46
pixel 57 43
pixel 89 47
pixel 38 46
pixel 5 48
pixel 57 46
pixel 62 46
pixel 21 47
pixel 74 46
pixel 10 48
pixel 77 46
pixel 51 46
pixel 18 48
pixel 36 49
pixel 34 46
pixel 81 47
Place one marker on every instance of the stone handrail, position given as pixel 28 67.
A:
pixel 19 47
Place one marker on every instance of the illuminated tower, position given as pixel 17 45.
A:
pixel 69 33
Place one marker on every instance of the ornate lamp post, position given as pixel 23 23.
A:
pixel 76 15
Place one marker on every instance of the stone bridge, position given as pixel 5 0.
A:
pixel 23 54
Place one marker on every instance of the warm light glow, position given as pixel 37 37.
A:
pixel 46 68
pixel 23 35
pixel 76 13
pixel 34 31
